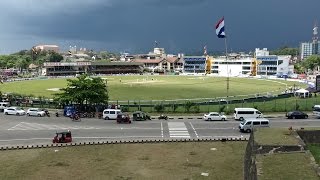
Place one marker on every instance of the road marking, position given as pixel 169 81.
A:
pixel 219 128
pixel 35 126
pixel 178 130
pixel 117 137
pixel 161 130
pixel 241 136
pixel 195 132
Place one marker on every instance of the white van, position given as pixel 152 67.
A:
pixel 248 124
pixel 4 105
pixel 110 113
pixel 316 110
pixel 244 113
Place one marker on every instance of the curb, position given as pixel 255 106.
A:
pixel 60 145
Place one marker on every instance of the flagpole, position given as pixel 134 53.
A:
pixel 226 47
pixel 220 31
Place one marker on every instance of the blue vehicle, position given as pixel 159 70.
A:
pixel 69 110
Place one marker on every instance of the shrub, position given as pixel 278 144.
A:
pixel 188 105
pixel 159 107
pixel 196 108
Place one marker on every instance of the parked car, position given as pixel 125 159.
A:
pixel 4 105
pixel 35 112
pixel 296 115
pixel 14 111
pixel 214 116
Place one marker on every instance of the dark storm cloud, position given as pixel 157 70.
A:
pixel 134 25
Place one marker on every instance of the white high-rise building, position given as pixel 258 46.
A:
pixel 306 49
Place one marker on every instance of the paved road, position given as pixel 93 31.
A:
pixel 23 130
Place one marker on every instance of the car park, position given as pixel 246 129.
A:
pixel 214 116
pixel 296 115
pixel 14 111
pixel 35 112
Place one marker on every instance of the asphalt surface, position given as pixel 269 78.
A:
pixel 24 130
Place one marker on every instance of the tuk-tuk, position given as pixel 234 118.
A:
pixel 140 116
pixel 123 118
pixel 62 137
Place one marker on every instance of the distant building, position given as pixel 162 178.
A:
pixel 307 49
pixel 310 48
pixel 74 68
pixel 54 48
pixel 240 64
pixel 272 64
pixel 194 64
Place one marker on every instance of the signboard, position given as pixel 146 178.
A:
pixel 318 83
pixel 52 64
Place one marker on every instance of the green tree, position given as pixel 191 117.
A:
pixel 311 62
pixel 84 90
pixel 55 57
pixel 104 54
pixel 285 51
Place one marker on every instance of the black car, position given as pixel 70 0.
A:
pixel 296 115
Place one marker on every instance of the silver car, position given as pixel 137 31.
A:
pixel 214 116
pixel 35 112
pixel 14 111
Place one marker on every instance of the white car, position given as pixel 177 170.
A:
pixel 14 111
pixel 35 112
pixel 214 116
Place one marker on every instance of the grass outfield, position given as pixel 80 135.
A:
pixel 157 87
pixel 127 161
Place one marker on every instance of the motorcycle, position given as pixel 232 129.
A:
pixel 75 117
pixel 46 113
pixel 162 116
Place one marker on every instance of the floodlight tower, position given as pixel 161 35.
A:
pixel 315 38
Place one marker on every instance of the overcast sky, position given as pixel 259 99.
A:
pixel 134 25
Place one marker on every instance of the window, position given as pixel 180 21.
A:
pixel 256 123
pixel 112 112
pixel 264 122
pixel 248 123
pixel 258 112
pixel 245 112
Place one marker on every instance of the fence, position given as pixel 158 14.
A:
pixel 278 103
pixel 249 167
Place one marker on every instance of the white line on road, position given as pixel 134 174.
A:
pixel 117 137
pixel 194 129
pixel 161 130
pixel 218 128
pixel 178 130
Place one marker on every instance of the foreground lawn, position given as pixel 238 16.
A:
pixel 315 150
pixel 127 161
pixel 275 136
pixel 294 166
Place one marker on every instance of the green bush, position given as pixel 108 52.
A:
pixel 159 107
pixel 189 105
